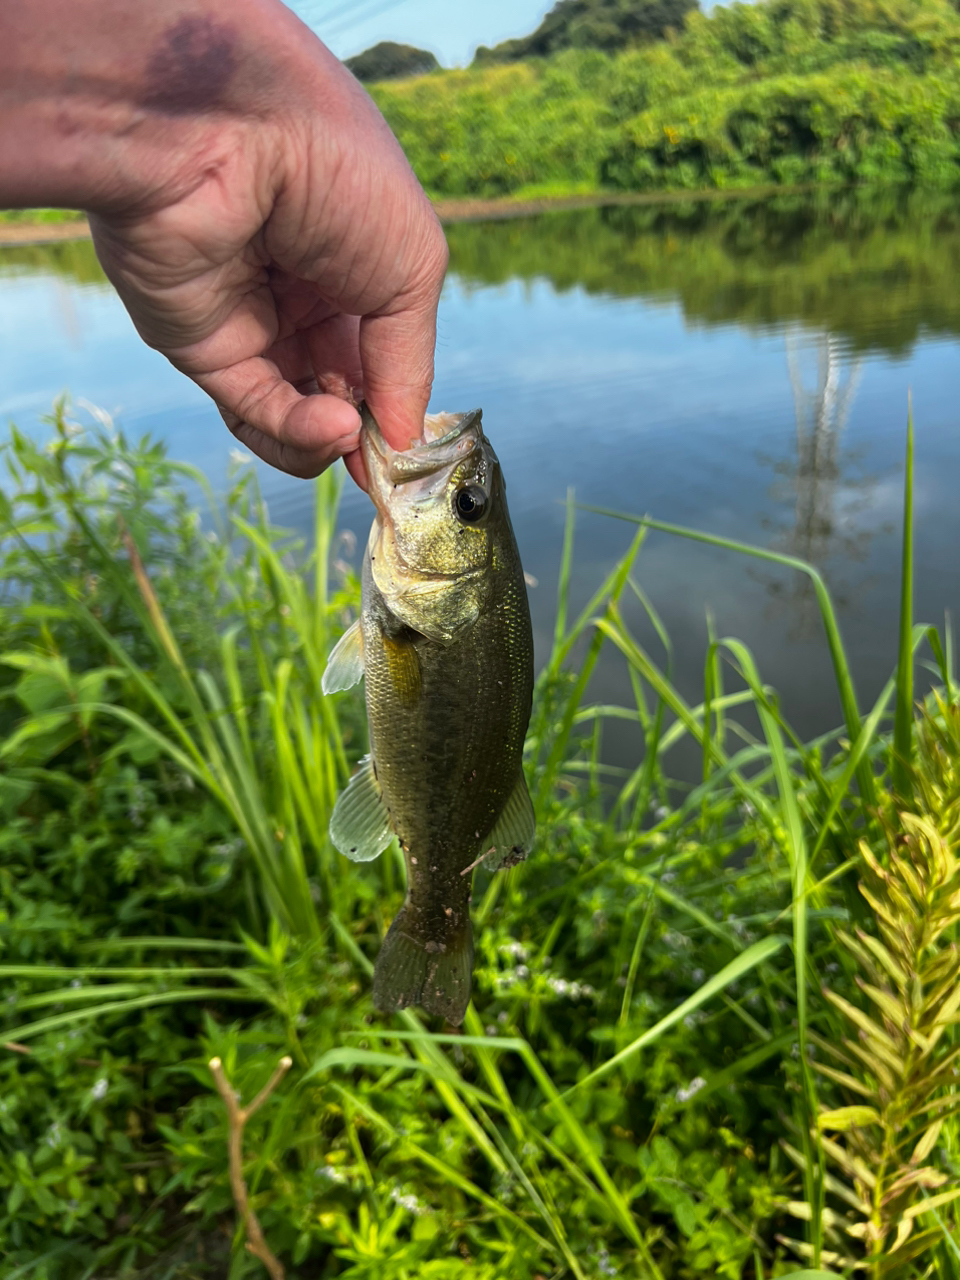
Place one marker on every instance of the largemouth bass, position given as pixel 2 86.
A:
pixel 446 648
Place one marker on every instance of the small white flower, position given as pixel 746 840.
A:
pixel 410 1203
pixel 694 1087
pixel 678 941
pixel 604 1265
pixel 239 458
pixel 516 950
pixel 99 1089
pixel 329 1172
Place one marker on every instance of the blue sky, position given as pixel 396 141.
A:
pixel 451 29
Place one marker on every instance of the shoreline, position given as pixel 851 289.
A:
pixel 15 233
pixel 461 209
pixel 464 209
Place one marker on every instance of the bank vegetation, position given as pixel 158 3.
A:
pixel 782 91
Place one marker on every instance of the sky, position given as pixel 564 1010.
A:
pixel 451 29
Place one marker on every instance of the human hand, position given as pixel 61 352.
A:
pixel 261 224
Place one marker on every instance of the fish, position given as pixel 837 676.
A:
pixel 444 644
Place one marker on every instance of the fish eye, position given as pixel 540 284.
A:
pixel 470 503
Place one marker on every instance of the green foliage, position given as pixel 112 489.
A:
pixel 493 133
pixel 643 1001
pixel 782 91
pixel 390 61
pixel 74 259
pixel 898 1065
pixel 593 24
pixel 42 216
pixel 849 123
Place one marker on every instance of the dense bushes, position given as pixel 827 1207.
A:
pixel 849 123
pixel 780 92
pixel 390 61
pixel 491 133
pixel 593 24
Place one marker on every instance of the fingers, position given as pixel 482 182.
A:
pixel 397 345
pixel 299 434
pixel 333 350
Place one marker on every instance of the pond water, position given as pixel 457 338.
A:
pixel 742 368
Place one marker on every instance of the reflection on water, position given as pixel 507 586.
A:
pixel 72 260
pixel 739 367
pixel 876 268
pixel 821 533
pixel 822 413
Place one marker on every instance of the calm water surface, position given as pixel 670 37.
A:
pixel 742 369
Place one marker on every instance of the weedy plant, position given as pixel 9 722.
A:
pixel 899 1063
pixel 648 985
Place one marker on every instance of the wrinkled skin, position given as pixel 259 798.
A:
pixel 248 201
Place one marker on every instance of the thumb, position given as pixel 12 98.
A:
pixel 397 355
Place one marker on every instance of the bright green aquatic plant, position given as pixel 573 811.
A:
pixel 898 1062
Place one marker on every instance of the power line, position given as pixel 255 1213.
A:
pixel 366 17
pixel 327 23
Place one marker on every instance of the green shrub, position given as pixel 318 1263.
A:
pixel 390 61
pixel 783 91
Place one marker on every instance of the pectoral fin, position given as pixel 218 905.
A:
pixel 512 836
pixel 345 664
pixel 360 826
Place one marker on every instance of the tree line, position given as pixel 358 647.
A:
pixel 782 91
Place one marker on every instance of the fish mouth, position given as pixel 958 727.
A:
pixel 448 439
pixel 422 473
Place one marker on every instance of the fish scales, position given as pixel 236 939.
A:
pixel 447 711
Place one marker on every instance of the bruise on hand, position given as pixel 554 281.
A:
pixel 191 68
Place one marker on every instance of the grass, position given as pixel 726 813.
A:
pixel 640 1088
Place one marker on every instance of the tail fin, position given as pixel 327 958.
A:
pixel 438 979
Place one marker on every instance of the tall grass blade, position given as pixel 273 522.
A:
pixel 732 972
pixel 903 720
pixel 841 667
